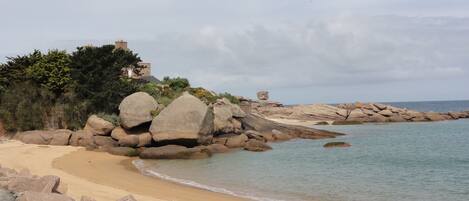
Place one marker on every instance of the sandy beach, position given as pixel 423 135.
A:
pixel 99 175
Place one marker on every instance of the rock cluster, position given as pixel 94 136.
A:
pixel 343 113
pixel 186 129
pixel 23 186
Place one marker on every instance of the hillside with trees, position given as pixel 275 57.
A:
pixel 57 89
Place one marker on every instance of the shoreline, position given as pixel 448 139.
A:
pixel 100 175
pixel 96 169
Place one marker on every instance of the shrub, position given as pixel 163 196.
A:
pixel 230 97
pixel 177 84
pixel 204 95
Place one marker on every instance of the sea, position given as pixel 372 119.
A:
pixel 425 161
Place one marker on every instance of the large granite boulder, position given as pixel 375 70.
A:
pixel 256 145
pixel 185 119
pixel 6 195
pixel 98 126
pixel 225 114
pixel 129 141
pixel 128 138
pixel 357 115
pixel 123 151
pixel 82 138
pixel 61 137
pixel 38 196
pixel 236 141
pixel 54 137
pixel 265 126
pixel 104 141
pixel 175 152
pixel 136 109
pixel 45 184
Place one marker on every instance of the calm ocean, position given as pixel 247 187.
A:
pixel 387 162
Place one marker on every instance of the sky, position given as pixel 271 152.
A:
pixel 301 51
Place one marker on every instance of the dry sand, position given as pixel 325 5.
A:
pixel 99 175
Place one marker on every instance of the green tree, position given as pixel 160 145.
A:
pixel 97 76
pixel 14 70
pixel 52 71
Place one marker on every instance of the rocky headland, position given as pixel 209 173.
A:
pixel 188 128
pixel 344 113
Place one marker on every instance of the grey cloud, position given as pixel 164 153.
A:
pixel 330 47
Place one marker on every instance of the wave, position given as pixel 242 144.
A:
pixel 139 164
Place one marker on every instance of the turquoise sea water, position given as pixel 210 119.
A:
pixel 387 162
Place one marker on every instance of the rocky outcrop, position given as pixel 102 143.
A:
pixel 98 126
pixel 263 95
pixel 185 119
pixel 175 152
pixel 264 126
pixel 357 112
pixel 236 141
pixel 136 109
pixel 226 117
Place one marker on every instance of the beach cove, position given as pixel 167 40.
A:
pixel 88 173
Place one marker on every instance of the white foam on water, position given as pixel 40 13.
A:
pixel 139 164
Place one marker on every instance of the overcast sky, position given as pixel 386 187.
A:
pixel 302 51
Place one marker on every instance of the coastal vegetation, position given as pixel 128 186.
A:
pixel 57 89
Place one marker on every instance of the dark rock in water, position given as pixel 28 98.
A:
pixel 175 152
pixel 280 136
pixel 346 122
pixel 6 195
pixel 123 151
pixel 322 123
pixel 336 144
pixel 265 126
pixel 255 135
pixel 256 145
pixel 38 196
